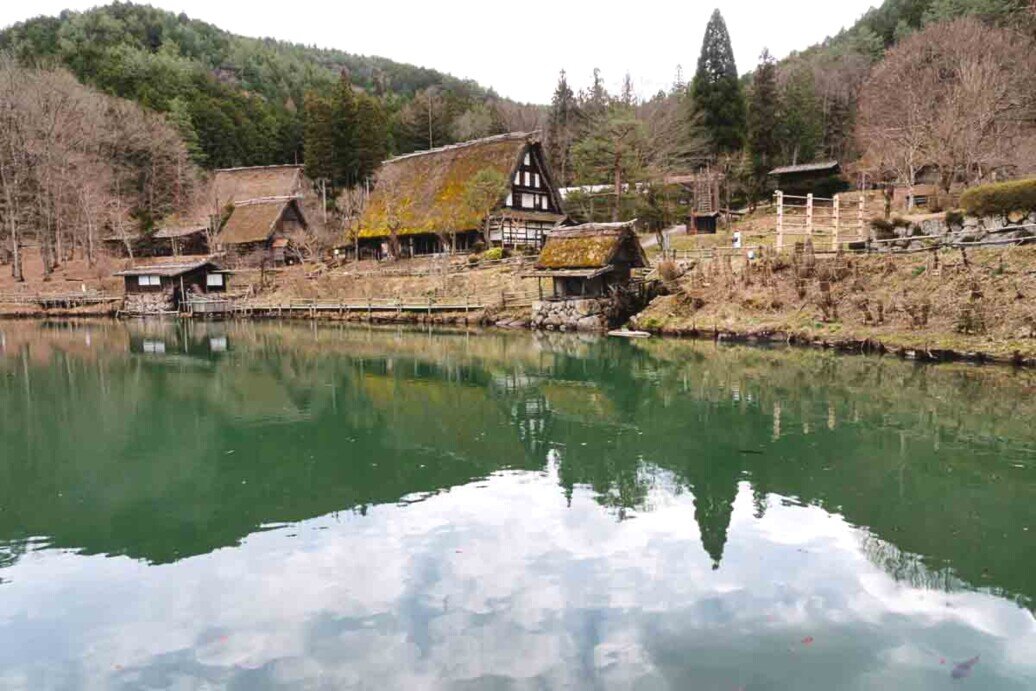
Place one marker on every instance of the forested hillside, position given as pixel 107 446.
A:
pixel 820 86
pixel 237 100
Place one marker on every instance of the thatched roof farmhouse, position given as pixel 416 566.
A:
pixel 423 197
pixel 265 211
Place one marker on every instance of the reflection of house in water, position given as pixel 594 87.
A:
pixel 182 340
pixel 314 430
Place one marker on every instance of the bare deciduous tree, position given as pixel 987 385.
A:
pixel 958 95
pixel 74 161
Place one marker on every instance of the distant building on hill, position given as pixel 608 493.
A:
pixel 822 179
pixel 704 188
pixel 248 213
pixel 421 197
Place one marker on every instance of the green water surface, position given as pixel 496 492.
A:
pixel 275 506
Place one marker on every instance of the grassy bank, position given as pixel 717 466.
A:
pixel 931 305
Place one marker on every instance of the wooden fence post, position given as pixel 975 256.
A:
pixel 809 214
pixel 779 201
pixel 859 221
pixel 837 220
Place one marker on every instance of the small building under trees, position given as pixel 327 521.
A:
pixel 496 191
pixel 162 285
pixel 175 239
pixel 704 188
pixel 590 260
pixel 261 209
pixel 823 179
pixel 259 231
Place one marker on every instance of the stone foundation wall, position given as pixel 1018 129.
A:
pixel 970 229
pixel 148 303
pixel 583 314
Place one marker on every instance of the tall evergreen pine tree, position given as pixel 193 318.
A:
pixel 763 113
pixel 561 129
pixel 317 137
pixel 716 90
pixel 371 136
pixel 345 162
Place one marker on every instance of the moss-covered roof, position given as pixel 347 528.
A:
pixel 425 191
pixel 591 246
pixel 254 222
pixel 233 185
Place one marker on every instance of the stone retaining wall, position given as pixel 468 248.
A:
pixel 583 314
pixel 971 229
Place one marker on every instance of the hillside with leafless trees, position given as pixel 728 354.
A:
pixel 958 96
pixel 77 166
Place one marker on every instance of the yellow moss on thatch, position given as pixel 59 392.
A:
pixel 590 246
pixel 577 252
pixel 425 192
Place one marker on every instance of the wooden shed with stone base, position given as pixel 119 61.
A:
pixel 591 272
pixel 161 286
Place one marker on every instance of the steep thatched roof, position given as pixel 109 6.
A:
pixel 255 221
pixel 425 191
pixel 591 246
pixel 235 185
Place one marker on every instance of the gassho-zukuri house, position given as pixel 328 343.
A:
pixel 265 211
pixel 422 197
pixel 591 270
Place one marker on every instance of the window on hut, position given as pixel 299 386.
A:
pixel 149 280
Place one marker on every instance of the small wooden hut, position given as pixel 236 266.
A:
pixel 704 187
pixel 823 179
pixel 259 231
pixel 420 197
pixel 163 284
pixel 591 260
pixel 175 239
pixel 264 211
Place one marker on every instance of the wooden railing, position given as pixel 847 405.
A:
pixel 259 307
pixel 52 301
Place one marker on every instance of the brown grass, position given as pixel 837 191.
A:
pixel 916 301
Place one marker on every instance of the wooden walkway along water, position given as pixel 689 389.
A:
pixel 204 307
pixel 57 301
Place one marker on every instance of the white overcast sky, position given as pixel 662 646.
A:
pixel 518 48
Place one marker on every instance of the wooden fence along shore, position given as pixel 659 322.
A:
pixel 57 301
pixel 209 307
